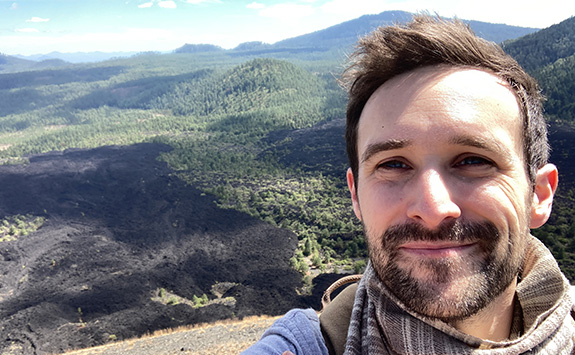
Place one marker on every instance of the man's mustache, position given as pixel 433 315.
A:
pixel 457 230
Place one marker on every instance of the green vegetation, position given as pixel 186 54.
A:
pixel 559 233
pixel 168 298
pixel 544 47
pixel 200 301
pixel 80 315
pixel 13 227
pixel 558 84
pixel 222 112
pixel 549 55
pixel 316 208
pixel 216 118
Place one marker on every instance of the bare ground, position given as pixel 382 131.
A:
pixel 220 338
pixel 119 227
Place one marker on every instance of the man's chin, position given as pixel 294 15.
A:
pixel 446 305
pixel 444 308
pixel 442 291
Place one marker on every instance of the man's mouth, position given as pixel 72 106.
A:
pixel 437 249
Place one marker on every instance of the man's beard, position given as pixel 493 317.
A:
pixel 454 287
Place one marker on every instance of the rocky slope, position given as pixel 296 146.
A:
pixel 119 230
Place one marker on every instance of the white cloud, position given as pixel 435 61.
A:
pixel 167 4
pixel 146 5
pixel 27 30
pixel 197 2
pixel 38 20
pixel 14 6
pixel 255 5
pixel 287 12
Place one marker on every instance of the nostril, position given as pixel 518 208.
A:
pixel 431 201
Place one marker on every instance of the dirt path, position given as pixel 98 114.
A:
pixel 221 338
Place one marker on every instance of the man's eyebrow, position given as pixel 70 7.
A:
pixel 375 148
pixel 480 143
pixel 462 140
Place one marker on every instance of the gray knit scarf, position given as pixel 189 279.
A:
pixel 381 324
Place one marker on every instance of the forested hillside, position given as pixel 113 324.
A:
pixel 218 119
pixel 549 55
pixel 222 118
pixel 223 113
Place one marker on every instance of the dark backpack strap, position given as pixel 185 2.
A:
pixel 336 314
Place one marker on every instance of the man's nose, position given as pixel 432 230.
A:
pixel 431 201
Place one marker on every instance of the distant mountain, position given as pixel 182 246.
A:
pixel 198 48
pixel 8 60
pixel 254 45
pixel 497 32
pixel 78 57
pixel 346 34
pixel 10 64
pixel 338 37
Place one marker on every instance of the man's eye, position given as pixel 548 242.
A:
pixel 393 164
pixel 474 161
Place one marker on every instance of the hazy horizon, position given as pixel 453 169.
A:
pixel 68 26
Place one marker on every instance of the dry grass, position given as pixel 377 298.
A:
pixel 223 337
pixel 245 322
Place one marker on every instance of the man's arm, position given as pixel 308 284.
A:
pixel 298 332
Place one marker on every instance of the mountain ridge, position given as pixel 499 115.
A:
pixel 349 31
pixel 341 36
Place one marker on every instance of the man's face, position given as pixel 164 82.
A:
pixel 442 189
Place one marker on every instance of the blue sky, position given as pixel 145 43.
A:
pixel 42 26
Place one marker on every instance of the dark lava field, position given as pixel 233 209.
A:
pixel 118 228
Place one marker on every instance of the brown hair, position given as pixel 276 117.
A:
pixel 425 41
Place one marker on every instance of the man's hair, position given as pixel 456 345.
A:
pixel 427 41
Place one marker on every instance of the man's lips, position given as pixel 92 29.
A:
pixel 436 249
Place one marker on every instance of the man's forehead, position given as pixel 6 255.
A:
pixel 471 81
pixel 437 100
pixel 453 88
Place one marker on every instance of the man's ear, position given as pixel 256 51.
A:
pixel 545 186
pixel 353 192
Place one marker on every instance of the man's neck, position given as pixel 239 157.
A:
pixel 494 322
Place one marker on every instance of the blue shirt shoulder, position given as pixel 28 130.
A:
pixel 298 331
